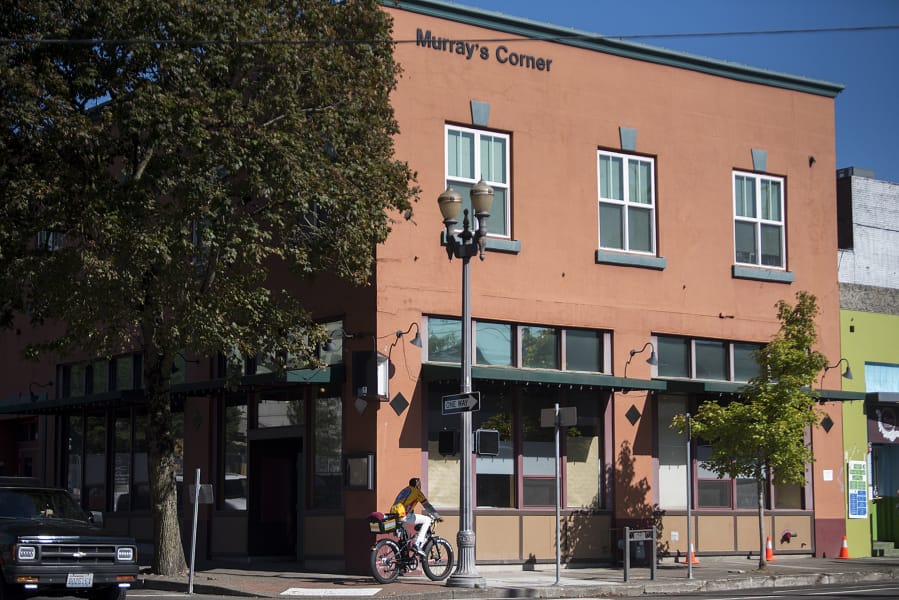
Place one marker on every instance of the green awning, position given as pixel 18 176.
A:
pixel 44 405
pixel 880 397
pixel 694 386
pixel 437 372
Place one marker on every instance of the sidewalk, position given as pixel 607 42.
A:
pixel 269 580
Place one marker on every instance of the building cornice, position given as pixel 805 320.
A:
pixel 616 47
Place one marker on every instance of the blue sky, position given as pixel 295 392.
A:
pixel 866 62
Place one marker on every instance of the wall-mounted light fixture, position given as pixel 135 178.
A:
pixel 652 360
pixel 35 396
pixel 847 374
pixel 341 334
pixel 400 334
pixel 416 339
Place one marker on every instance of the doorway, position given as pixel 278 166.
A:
pixel 274 506
pixel 886 477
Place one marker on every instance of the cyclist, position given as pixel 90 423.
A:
pixel 404 506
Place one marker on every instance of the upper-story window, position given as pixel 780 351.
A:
pixel 697 358
pixel 627 202
pixel 498 344
pixel 471 155
pixel 759 220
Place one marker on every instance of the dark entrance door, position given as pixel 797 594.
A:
pixel 273 507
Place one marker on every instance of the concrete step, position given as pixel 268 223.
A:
pixel 884 548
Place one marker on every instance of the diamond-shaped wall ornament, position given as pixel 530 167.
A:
pixel 360 405
pixel 827 424
pixel 633 415
pixel 399 404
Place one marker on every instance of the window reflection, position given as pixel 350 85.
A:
pixel 235 459
pixel 495 475
pixel 75 456
pixel 95 462
pixel 494 344
pixel 121 496
pixel 445 340
pixel 583 350
pixel 539 347
pixel 328 439
pixel 280 408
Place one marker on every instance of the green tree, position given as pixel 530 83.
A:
pixel 172 158
pixel 761 435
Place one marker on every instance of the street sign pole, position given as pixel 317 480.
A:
pixel 558 496
pixel 558 417
pixel 689 502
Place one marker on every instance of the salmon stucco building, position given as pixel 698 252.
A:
pixel 647 204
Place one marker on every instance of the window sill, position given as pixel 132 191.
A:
pixel 630 260
pixel 495 244
pixel 762 274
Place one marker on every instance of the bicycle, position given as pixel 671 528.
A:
pixel 390 558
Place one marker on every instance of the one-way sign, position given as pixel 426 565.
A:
pixel 459 403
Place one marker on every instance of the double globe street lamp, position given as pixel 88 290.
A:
pixel 464 245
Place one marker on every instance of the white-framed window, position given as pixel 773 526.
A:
pixel 472 154
pixel 627 202
pixel 759 233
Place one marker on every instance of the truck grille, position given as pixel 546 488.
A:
pixel 77 554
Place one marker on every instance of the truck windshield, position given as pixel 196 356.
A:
pixel 39 503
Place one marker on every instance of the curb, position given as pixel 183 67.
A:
pixel 641 588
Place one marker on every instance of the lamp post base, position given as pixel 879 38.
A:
pixel 463 580
pixel 466 574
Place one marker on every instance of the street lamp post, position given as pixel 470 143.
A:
pixel 464 245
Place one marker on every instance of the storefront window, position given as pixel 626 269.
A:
pixel 280 408
pixel 140 490
pixel 95 462
pixel 100 377
pixel 495 475
pixel 75 456
pixel 121 497
pixel 497 479
pixel 328 440
pixel 124 372
pixel 235 459
pixel 788 496
pixel 443 452
pixel 538 450
pixel 583 453
pixel 77 380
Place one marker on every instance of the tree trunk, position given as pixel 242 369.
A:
pixel 168 558
pixel 760 483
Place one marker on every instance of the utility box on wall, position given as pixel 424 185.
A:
pixel 370 374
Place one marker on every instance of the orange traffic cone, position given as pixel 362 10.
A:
pixel 769 551
pixel 692 558
pixel 844 549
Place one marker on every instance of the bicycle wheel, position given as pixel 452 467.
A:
pixel 384 561
pixel 438 563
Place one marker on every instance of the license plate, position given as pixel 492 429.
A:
pixel 80 580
